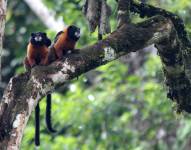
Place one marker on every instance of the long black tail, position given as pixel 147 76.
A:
pixel 37 125
pixel 48 114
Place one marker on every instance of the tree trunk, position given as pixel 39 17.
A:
pixel 3 7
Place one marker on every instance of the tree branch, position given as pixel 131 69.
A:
pixel 25 90
pixel 150 11
pixel 175 54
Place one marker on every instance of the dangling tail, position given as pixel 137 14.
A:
pixel 37 125
pixel 48 114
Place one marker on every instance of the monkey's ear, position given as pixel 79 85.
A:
pixel 32 34
pixel 48 42
pixel 43 33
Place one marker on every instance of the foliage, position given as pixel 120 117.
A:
pixel 112 110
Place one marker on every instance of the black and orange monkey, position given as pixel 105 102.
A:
pixel 37 50
pixel 64 43
pixel 37 54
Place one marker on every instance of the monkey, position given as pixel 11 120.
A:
pixel 64 43
pixel 37 54
pixel 37 50
pixel 66 40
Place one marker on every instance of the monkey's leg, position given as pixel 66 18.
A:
pixel 59 53
pixel 44 61
pixel 32 62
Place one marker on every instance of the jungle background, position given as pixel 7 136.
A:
pixel 118 106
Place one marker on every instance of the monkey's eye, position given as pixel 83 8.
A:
pixel 77 34
pixel 38 38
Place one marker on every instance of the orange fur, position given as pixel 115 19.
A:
pixel 63 44
pixel 37 53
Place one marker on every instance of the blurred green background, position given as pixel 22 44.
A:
pixel 118 106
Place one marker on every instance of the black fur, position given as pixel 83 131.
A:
pixel 71 32
pixel 44 39
pixel 37 125
pixel 48 114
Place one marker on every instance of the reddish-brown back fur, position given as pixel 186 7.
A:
pixel 63 44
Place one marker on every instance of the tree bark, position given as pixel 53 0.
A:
pixel 3 7
pixel 25 90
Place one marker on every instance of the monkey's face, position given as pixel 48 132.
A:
pixel 74 32
pixel 40 39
